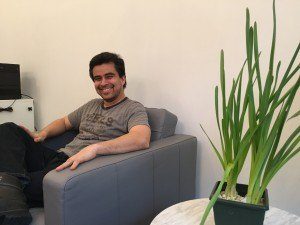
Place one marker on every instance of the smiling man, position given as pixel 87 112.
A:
pixel 111 124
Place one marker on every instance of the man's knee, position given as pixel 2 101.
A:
pixel 8 126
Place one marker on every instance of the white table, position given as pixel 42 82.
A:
pixel 190 213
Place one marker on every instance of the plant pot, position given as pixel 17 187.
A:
pixel 227 212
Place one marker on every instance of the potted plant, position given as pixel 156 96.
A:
pixel 252 123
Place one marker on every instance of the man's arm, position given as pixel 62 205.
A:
pixel 138 138
pixel 55 128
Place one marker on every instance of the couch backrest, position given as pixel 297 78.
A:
pixel 162 123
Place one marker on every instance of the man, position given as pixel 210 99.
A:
pixel 111 125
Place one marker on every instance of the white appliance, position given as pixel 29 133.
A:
pixel 19 111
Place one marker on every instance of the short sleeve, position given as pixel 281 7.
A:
pixel 76 116
pixel 138 116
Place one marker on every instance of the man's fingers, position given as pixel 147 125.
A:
pixel 64 165
pixel 70 162
pixel 74 165
pixel 38 139
pixel 74 161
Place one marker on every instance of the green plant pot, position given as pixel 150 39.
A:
pixel 227 212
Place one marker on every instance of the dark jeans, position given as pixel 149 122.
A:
pixel 29 161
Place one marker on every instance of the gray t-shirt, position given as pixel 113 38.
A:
pixel 96 123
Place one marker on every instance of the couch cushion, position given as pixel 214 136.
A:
pixel 162 123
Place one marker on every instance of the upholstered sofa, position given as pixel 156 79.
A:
pixel 124 189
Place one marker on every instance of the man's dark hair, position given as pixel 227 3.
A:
pixel 107 57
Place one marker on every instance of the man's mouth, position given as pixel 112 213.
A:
pixel 106 90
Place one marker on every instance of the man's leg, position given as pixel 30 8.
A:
pixel 14 144
pixel 13 207
pixel 21 157
pixel 34 191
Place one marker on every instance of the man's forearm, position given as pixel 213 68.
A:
pixel 126 143
pixel 138 138
pixel 55 128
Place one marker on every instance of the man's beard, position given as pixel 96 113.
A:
pixel 109 99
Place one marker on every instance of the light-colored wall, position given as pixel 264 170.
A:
pixel 171 49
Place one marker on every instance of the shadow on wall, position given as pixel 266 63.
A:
pixel 29 87
pixel 137 90
pixel 151 93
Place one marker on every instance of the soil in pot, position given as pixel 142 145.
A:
pixel 228 212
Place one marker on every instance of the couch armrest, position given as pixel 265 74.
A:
pixel 128 188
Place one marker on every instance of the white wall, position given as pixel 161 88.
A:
pixel 171 49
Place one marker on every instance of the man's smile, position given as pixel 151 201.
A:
pixel 106 89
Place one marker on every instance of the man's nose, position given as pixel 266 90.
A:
pixel 103 82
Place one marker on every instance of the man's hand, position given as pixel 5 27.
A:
pixel 84 155
pixel 36 136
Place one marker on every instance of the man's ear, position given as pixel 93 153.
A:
pixel 123 80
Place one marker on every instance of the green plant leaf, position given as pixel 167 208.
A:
pixel 216 194
pixel 295 115
pixel 215 149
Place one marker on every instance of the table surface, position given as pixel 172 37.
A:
pixel 190 213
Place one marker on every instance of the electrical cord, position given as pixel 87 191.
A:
pixel 8 108
pixel 27 96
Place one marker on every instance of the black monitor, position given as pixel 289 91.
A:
pixel 10 84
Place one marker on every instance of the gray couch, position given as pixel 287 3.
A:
pixel 124 189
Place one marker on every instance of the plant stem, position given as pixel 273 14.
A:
pixel 216 194
pixel 230 191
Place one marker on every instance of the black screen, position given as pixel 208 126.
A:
pixel 10 85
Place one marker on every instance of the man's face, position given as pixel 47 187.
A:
pixel 108 83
